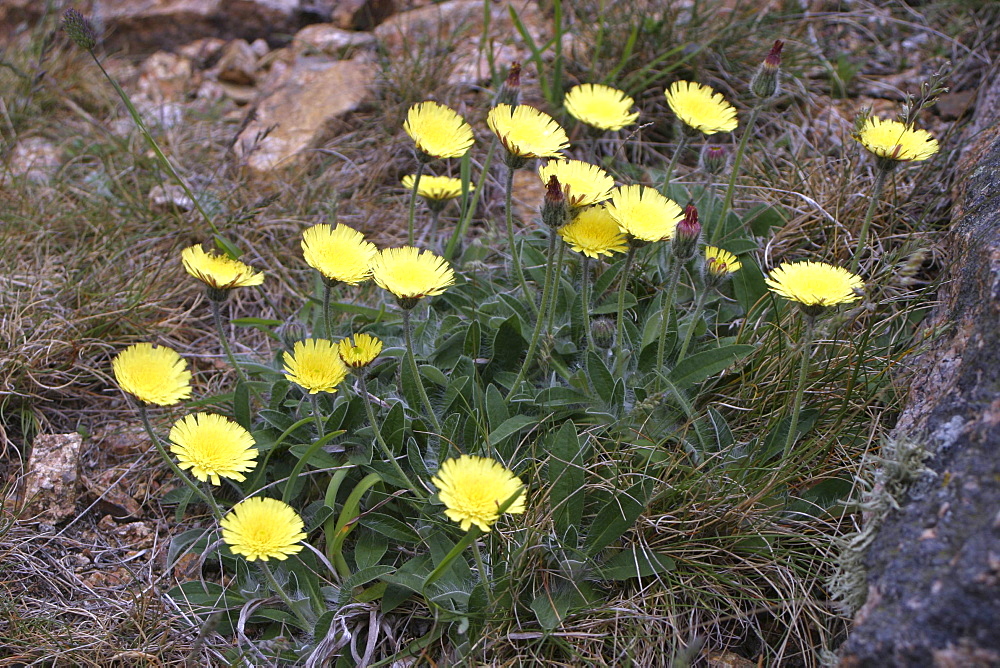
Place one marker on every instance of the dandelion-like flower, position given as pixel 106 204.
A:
pixel 720 262
pixel 701 107
pixel 411 274
pixel 262 528
pixel 218 272
pixel 582 183
pixel 603 107
pixel 156 375
pixel 644 213
pixel 815 285
pixel 359 352
pixel 895 141
pixel 438 188
pixel 527 132
pixel 213 447
pixel 339 253
pixel 473 489
pixel 594 233
pixel 438 132
pixel 315 365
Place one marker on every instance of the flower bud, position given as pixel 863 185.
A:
pixel 603 331
pixel 510 90
pixel 765 80
pixel 555 210
pixel 686 235
pixel 79 29
pixel 714 158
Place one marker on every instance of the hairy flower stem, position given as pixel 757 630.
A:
pixel 880 178
pixel 698 306
pixel 413 203
pixel 727 202
pixel 224 340
pixel 481 567
pixel 380 439
pixel 307 625
pixel 560 256
pixel 673 278
pixel 165 456
pixel 515 257
pixel 317 416
pixel 327 314
pixel 539 321
pixel 622 288
pixel 806 351
pixel 682 143
pixel 407 327
pixel 470 210
pixel 585 299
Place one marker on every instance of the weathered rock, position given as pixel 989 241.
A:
pixel 169 197
pixel 237 64
pixel 35 159
pixel 327 39
pixel 300 102
pixel 934 567
pixel 165 77
pixel 49 489
pixel 361 14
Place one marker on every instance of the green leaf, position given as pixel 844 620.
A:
pixel 723 434
pixel 748 284
pixel 369 550
pixel 762 218
pixel 496 407
pixel 635 562
pixel 510 427
pixel 551 608
pixel 241 405
pixel 697 368
pixel 740 246
pixel 508 346
pixel 263 324
pixel 433 374
pixel 473 340
pixel 566 478
pixel 390 527
pixel 617 516
pixel 600 377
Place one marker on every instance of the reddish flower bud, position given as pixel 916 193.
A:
pixel 766 79
pixel 555 210
pixel 510 90
pixel 713 158
pixel 686 235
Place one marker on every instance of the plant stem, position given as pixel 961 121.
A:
pixel 731 188
pixel 554 301
pixel 673 278
pixel 327 313
pixel 165 456
pixel 669 174
pixel 217 317
pixel 413 203
pixel 622 285
pixel 320 429
pixel 515 256
pixel 470 210
pixel 480 566
pixel 585 299
pixel 380 439
pixel 698 306
pixel 877 187
pixel 539 321
pixel 806 348
pixel 269 576
pixel 416 372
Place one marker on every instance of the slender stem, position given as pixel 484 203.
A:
pixel 327 313
pixel 380 439
pixel 165 456
pixel 413 203
pixel 279 590
pixel 877 187
pixel 515 256
pixel 217 317
pixel 585 299
pixel 727 202
pixel 463 224
pixel 698 306
pixel 669 174
pixel 673 278
pixel 314 400
pixel 433 241
pixel 416 372
pixel 622 285
pixel 540 321
pixel 480 566
pixel 806 349
pixel 554 302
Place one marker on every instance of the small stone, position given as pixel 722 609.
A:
pixel 361 14
pixel 952 106
pixel 168 197
pixel 49 488
pixel 330 40
pixel 35 159
pixel 238 64
pixel 203 50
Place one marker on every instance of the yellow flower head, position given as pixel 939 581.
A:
pixel 339 253
pixel 436 187
pixel 410 273
pixel 644 213
pixel 701 107
pixel 315 365
pixel 360 352
pixel 814 284
pixel 213 447
pixel 582 183
pixel 895 141
pixel 261 528
pixel 721 262
pixel 156 375
pixel 473 488
pixel 594 233
pixel 603 107
pixel 526 132
pixel 438 131
pixel 218 271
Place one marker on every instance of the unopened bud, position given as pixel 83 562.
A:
pixel 603 330
pixel 766 79
pixel 714 158
pixel 686 235
pixel 555 210
pixel 510 90
pixel 79 29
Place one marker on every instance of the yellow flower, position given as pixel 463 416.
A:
pixel 213 446
pixel 582 183
pixel 261 528
pixel 339 253
pixel 603 107
pixel 594 233
pixel 815 284
pixel 436 187
pixel 701 107
pixel 218 271
pixel 526 132
pixel 438 131
pixel 644 213
pixel 156 375
pixel 410 273
pixel 721 262
pixel 473 488
pixel 895 141
pixel 315 365
pixel 361 352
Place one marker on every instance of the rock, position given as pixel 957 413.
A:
pixel 48 489
pixel 327 39
pixel 361 14
pixel 202 51
pixel 298 105
pixel 35 159
pixel 934 566
pixel 169 197
pixel 237 64
pixel 109 495
pixel 952 106
pixel 165 77
pixel 19 15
